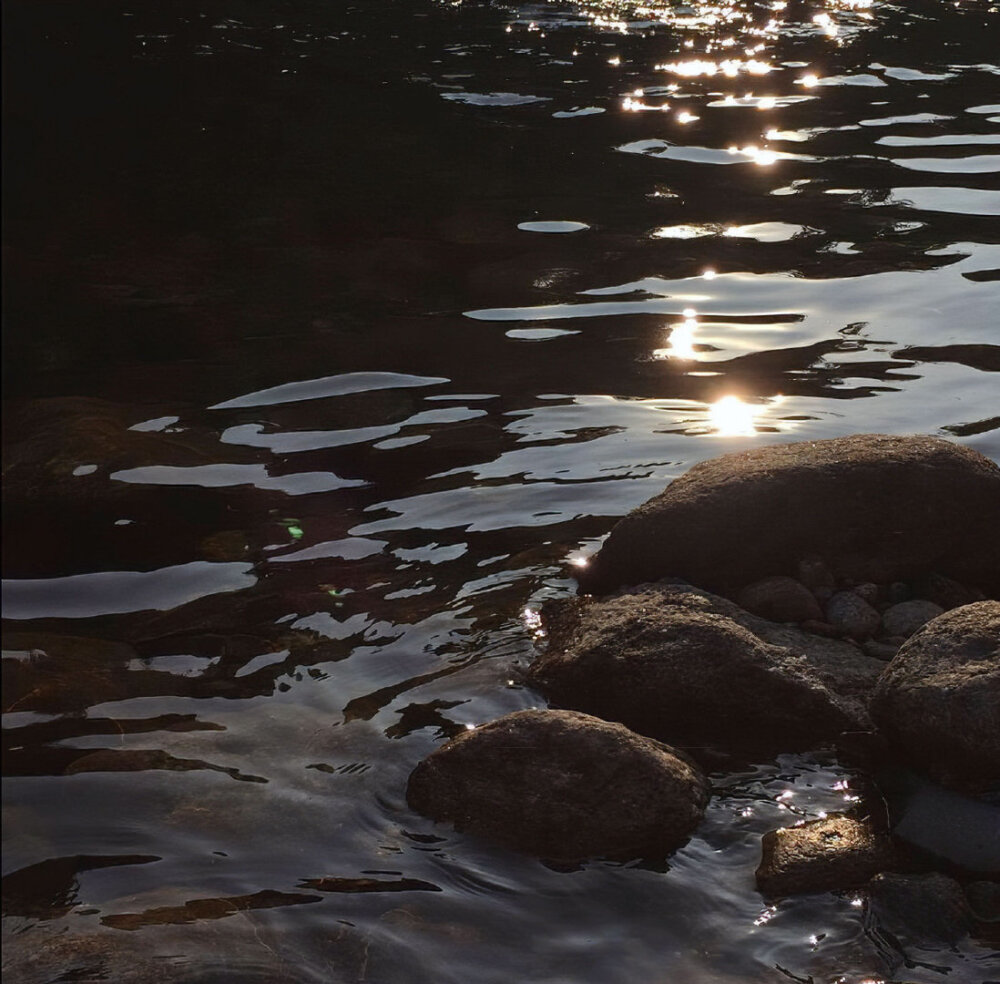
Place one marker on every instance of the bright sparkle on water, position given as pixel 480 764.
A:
pixel 731 417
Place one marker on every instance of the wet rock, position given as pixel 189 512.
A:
pixel 905 618
pixel 866 592
pixel 984 900
pixel 737 518
pixel 680 664
pixel 780 599
pixel 815 575
pixel 922 909
pixel 852 615
pixel 938 701
pixel 562 785
pixel 945 591
pixel 821 856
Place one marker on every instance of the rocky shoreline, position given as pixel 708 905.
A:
pixel 833 593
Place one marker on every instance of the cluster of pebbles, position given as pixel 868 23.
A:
pixel 786 598
pixel 879 617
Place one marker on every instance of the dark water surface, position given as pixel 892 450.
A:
pixel 335 335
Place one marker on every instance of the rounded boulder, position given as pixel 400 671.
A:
pixel 938 700
pixel 562 785
pixel 872 507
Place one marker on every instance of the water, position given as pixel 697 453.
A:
pixel 335 336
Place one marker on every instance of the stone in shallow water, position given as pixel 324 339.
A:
pixel 780 599
pixel 680 664
pixel 922 909
pixel 938 701
pixel 744 516
pixel 852 615
pixel 905 618
pixel 562 785
pixel 821 856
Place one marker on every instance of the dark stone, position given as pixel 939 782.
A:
pixel 815 575
pixel 905 618
pixel 984 900
pixel 880 650
pixel 852 616
pixel 944 591
pixel 875 507
pixel 866 592
pixel 562 785
pixel 780 599
pixel 898 591
pixel 825 855
pixel 938 701
pixel 680 664
pixel 922 909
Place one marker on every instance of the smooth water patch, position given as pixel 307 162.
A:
pixel 492 98
pixel 224 476
pixel 317 389
pixel 553 226
pixel 118 592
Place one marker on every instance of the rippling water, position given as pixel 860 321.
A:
pixel 335 336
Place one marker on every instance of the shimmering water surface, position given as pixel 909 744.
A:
pixel 336 334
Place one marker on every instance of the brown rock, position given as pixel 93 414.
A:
pixel 780 599
pixel 938 701
pixel 875 507
pixel 680 664
pixel 821 856
pixel 562 785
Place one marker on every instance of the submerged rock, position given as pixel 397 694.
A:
pixel 938 701
pixel 562 785
pixel 780 599
pixel 942 825
pixel 921 909
pixel 984 900
pixel 874 507
pixel 821 856
pixel 681 664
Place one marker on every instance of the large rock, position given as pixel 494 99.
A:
pixel 938 701
pixel 680 664
pixel 874 507
pixel 563 786
pixel 825 855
